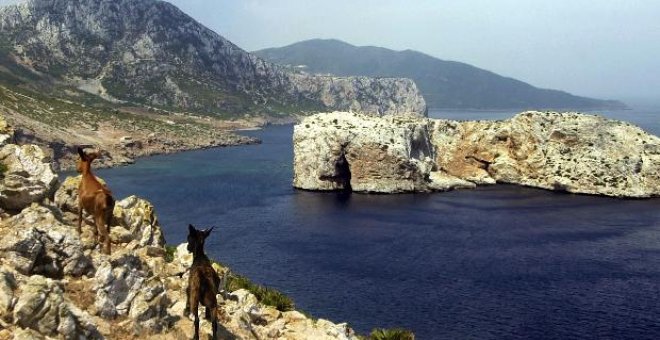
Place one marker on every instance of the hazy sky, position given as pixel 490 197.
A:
pixel 603 48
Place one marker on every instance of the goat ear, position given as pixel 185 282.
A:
pixel 191 228
pixel 92 156
pixel 81 153
pixel 208 231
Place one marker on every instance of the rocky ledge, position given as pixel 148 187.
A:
pixel 56 284
pixel 569 152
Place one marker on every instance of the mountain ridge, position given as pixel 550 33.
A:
pixel 140 77
pixel 443 83
pixel 148 52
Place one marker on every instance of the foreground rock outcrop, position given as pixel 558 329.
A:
pixel 57 284
pixel 569 152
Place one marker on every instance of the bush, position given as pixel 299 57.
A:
pixel 266 295
pixel 169 253
pixel 3 169
pixel 391 334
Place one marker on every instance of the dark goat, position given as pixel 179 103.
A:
pixel 95 199
pixel 203 281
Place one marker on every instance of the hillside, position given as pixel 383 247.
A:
pixel 444 84
pixel 101 72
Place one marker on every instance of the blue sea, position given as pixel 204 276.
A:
pixel 498 262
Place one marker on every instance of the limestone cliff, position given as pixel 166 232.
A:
pixel 149 53
pixel 570 152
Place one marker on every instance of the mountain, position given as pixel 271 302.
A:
pixel 150 54
pixel 444 84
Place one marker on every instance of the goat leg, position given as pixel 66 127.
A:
pixel 194 305
pixel 102 233
pixel 80 218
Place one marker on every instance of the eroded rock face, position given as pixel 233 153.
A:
pixel 28 177
pixel 570 152
pixel 37 242
pixel 557 151
pixel 342 151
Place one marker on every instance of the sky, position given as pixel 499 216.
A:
pixel 602 48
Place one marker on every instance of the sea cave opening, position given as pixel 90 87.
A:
pixel 343 171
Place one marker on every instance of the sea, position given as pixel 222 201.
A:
pixel 498 262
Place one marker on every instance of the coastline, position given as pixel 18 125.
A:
pixel 230 137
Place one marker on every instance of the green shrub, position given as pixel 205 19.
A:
pixel 169 253
pixel 266 295
pixel 391 334
pixel 3 169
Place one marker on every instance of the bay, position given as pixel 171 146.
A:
pixel 491 263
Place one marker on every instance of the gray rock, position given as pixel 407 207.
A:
pixel 126 287
pixel 39 243
pixel 42 307
pixel 138 217
pixel 29 176
pixel 117 283
pixel 149 309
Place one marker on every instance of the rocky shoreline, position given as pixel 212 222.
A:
pixel 55 283
pixel 122 145
pixel 568 152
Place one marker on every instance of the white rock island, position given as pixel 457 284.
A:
pixel 569 152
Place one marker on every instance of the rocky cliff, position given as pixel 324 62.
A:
pixel 55 283
pixel 149 53
pixel 569 152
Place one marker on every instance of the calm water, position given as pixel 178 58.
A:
pixel 496 262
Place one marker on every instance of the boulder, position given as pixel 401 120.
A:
pixel 126 287
pixel 138 217
pixel 42 307
pixel 28 177
pixel 37 242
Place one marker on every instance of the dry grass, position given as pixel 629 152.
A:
pixel 80 293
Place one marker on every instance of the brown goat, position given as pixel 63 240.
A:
pixel 203 281
pixel 95 199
